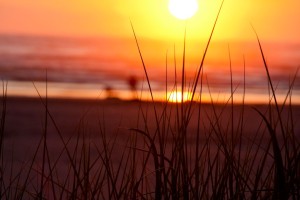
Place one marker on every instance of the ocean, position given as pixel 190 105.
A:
pixel 101 68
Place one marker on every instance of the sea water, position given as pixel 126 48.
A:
pixel 99 68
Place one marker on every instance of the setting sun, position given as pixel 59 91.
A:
pixel 176 96
pixel 183 9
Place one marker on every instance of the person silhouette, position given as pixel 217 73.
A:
pixel 109 92
pixel 132 82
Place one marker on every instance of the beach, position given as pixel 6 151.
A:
pixel 76 121
pixel 25 118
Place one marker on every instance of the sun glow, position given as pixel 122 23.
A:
pixel 183 9
pixel 177 96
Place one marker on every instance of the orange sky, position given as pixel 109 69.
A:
pixel 157 30
pixel 274 20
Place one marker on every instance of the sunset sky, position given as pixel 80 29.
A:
pixel 276 23
pixel 274 20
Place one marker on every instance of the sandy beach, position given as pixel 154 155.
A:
pixel 25 120
pixel 25 117
pixel 89 119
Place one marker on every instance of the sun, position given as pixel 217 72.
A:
pixel 177 96
pixel 183 9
